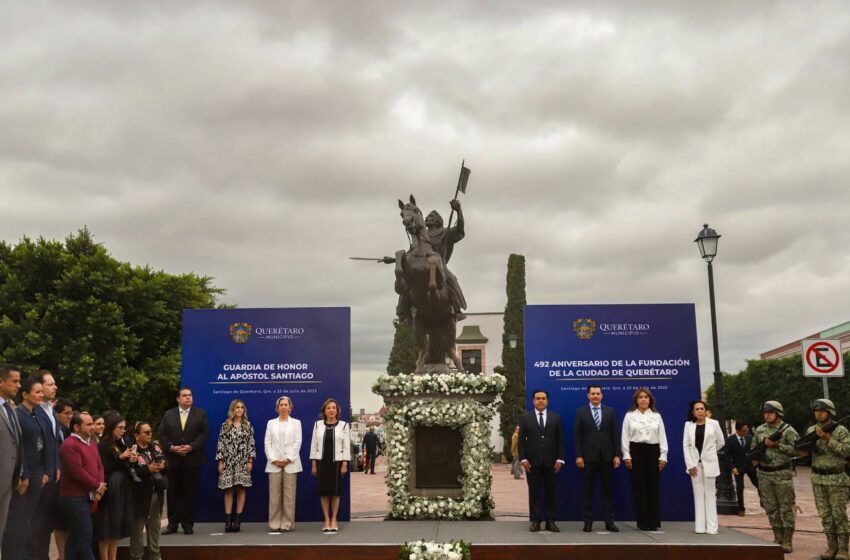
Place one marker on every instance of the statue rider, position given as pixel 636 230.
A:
pixel 443 241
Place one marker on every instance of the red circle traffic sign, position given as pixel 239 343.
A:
pixel 820 350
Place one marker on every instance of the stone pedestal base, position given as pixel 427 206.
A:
pixel 438 443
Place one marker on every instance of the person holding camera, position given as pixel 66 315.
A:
pixel 112 518
pixel 148 494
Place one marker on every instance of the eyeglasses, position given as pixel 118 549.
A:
pixel 122 428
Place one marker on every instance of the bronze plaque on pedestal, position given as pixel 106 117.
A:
pixel 436 461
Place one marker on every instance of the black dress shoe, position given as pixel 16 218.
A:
pixel 188 530
pixel 550 526
pixel 535 526
pixel 588 526
pixel 170 530
pixel 611 527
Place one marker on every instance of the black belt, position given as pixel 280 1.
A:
pixel 834 470
pixel 775 469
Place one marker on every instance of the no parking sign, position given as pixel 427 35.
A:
pixel 822 358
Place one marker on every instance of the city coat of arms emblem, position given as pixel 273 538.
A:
pixel 240 332
pixel 584 328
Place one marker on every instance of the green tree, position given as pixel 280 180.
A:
pixel 780 380
pixel 403 353
pixel 513 359
pixel 109 331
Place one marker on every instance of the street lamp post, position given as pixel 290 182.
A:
pixel 727 503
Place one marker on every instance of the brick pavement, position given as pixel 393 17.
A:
pixel 369 503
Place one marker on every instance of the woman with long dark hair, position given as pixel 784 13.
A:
pixel 114 512
pixel 644 444
pixel 702 439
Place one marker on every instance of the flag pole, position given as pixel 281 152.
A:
pixel 457 190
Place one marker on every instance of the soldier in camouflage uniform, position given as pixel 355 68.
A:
pixel 775 483
pixel 829 480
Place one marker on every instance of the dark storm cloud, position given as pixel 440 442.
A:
pixel 263 143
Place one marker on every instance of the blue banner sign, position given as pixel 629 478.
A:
pixel 621 348
pixel 258 355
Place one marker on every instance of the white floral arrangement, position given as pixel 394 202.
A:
pixel 430 550
pixel 472 418
pixel 443 383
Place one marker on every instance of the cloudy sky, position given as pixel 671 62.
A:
pixel 262 143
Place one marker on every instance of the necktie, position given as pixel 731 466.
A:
pixel 744 445
pixel 540 421
pixel 182 419
pixel 597 418
pixel 13 421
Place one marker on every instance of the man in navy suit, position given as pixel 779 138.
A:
pixel 48 502
pixel 541 452
pixel 596 437
pixel 737 445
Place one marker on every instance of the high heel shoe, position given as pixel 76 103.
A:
pixel 237 522
pixel 228 523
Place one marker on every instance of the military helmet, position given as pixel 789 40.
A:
pixel 773 406
pixel 823 404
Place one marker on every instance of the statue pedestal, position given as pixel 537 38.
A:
pixel 438 443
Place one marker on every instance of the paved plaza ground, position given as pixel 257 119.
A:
pixel 369 503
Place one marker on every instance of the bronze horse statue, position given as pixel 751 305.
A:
pixel 421 277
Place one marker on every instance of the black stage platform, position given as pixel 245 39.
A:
pixel 496 540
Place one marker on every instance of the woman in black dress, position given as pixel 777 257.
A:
pixel 330 453
pixel 114 514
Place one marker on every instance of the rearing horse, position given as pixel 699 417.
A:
pixel 419 273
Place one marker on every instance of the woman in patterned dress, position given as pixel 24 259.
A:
pixel 235 455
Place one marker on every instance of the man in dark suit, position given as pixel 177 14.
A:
pixel 182 433
pixel 47 510
pixel 736 451
pixel 542 454
pixel 370 443
pixel 10 439
pixel 596 437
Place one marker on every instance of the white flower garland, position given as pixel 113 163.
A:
pixel 467 414
pixel 444 383
pixel 430 550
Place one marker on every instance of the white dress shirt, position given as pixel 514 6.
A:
pixel 48 408
pixel 643 427
pixel 537 416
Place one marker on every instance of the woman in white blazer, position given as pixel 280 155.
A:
pixel 330 453
pixel 283 448
pixel 703 438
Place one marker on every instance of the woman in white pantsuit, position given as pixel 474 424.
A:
pixel 703 438
pixel 283 446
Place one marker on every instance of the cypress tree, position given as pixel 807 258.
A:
pixel 403 354
pixel 513 359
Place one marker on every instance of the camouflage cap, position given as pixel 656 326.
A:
pixel 824 404
pixel 773 406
